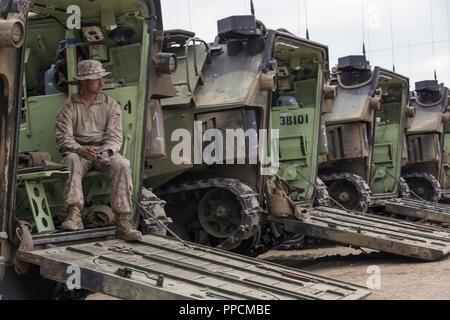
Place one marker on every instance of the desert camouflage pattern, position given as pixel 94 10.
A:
pixel 99 125
pixel 119 174
pixel 91 70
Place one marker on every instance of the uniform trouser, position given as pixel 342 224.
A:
pixel 119 175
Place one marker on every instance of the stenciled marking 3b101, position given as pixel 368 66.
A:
pixel 288 119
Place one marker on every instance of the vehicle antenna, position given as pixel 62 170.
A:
pixel 392 35
pixel 306 19
pixel 363 27
pixel 432 39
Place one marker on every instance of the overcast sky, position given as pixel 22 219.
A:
pixel 339 24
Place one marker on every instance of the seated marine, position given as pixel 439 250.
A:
pixel 89 136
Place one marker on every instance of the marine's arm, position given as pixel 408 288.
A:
pixel 65 140
pixel 113 136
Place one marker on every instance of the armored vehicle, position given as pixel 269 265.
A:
pixel 39 52
pixel 252 81
pixel 426 170
pixel 229 87
pixel 366 127
pixel 426 157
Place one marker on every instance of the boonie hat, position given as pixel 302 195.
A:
pixel 91 70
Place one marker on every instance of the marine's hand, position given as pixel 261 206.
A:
pixel 87 153
pixel 103 163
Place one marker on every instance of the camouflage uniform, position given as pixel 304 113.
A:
pixel 98 126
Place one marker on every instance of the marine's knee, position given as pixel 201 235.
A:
pixel 71 159
pixel 120 163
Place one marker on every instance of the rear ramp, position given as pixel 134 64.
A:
pixel 163 268
pixel 389 235
pixel 424 210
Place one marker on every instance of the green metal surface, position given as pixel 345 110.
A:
pixel 297 155
pixel 38 132
pixel 37 196
pixel 39 206
pixel 388 138
pixel 298 125
pixel 43 175
pixel 42 40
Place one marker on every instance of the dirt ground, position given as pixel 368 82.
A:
pixel 401 278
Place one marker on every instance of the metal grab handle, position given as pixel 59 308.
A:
pixel 193 40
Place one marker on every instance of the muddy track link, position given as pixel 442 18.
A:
pixel 322 196
pixel 404 190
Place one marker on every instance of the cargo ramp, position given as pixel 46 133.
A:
pixel 423 210
pixel 164 268
pixel 380 233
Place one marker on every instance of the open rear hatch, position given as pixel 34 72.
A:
pixel 164 268
pixel 389 235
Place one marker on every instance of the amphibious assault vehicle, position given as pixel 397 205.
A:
pixel 426 170
pixel 365 130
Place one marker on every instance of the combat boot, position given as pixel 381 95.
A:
pixel 73 221
pixel 124 230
